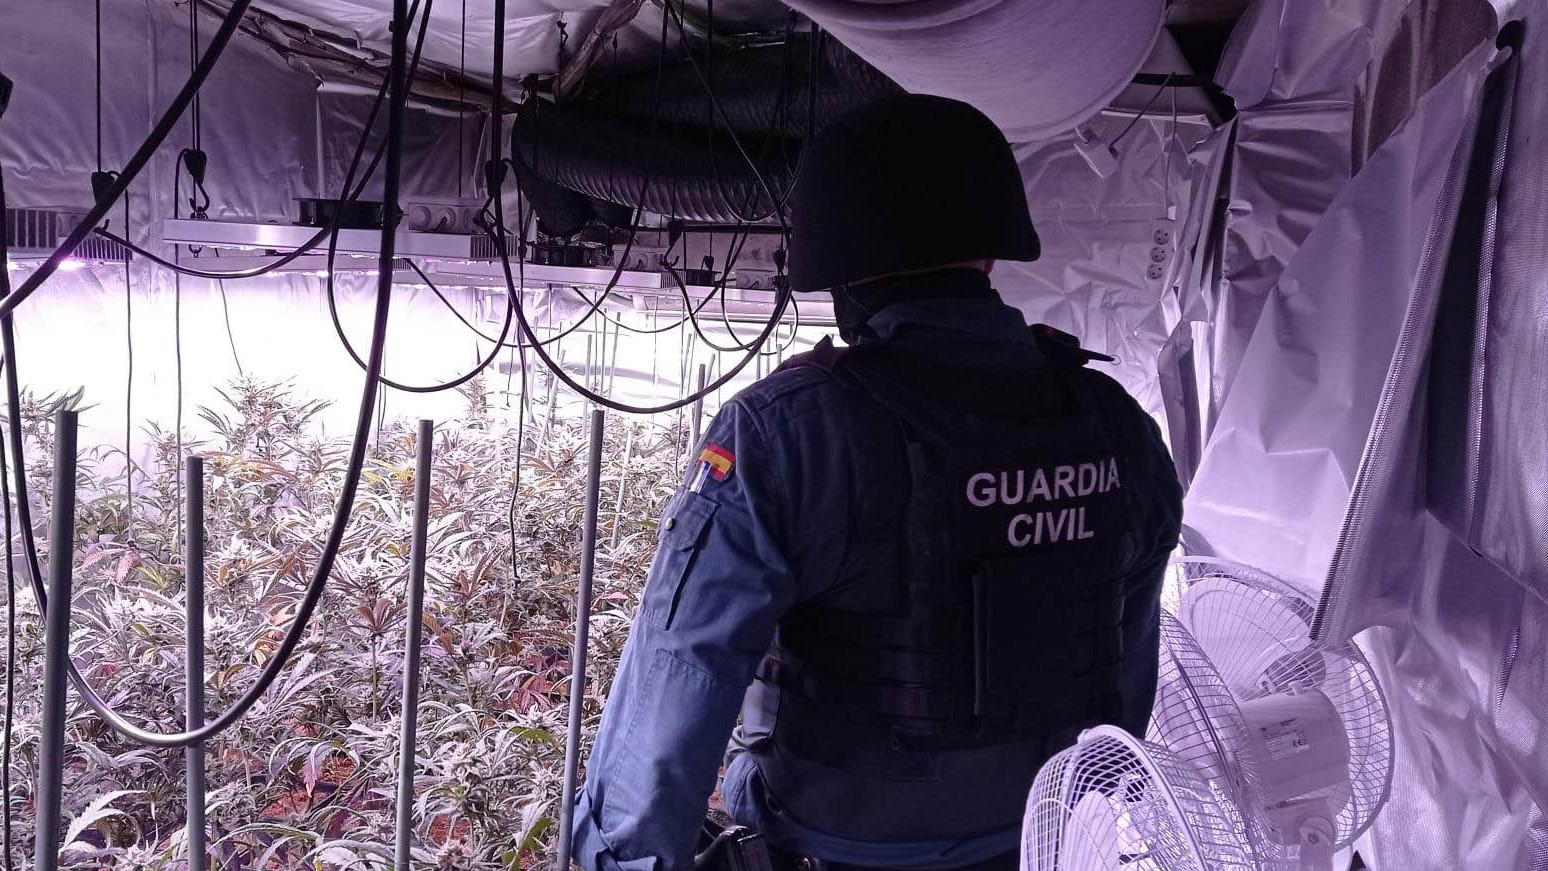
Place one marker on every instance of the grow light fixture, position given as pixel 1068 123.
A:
pixel 33 234
pixel 254 236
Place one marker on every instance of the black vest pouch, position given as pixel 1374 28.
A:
pixel 1047 643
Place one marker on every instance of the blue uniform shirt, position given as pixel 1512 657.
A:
pixel 736 553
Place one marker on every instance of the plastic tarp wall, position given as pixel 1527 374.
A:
pixel 1446 543
pixel 1099 241
pixel 1349 386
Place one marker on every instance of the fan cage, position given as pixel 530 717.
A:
pixel 1292 658
pixel 1166 817
pixel 1196 717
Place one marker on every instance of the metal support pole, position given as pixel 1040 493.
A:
pixel 698 412
pixel 623 489
pixel 193 595
pixel 578 648
pixel 415 634
pixel 56 643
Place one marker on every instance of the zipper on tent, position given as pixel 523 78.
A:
pixel 1375 469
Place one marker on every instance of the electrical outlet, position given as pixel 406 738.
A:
pixel 1163 238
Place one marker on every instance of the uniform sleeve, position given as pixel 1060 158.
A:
pixel 719 584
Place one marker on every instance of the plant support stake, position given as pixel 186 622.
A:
pixel 56 643
pixel 415 633
pixel 698 412
pixel 193 545
pixel 578 648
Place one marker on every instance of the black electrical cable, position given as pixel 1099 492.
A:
pixel 10 567
pixel 462 79
pixel 99 82
pixel 354 467
pixel 732 255
pixel 496 147
pixel 707 79
pixel 10 644
pixel 330 290
pixel 137 162
pixel 579 322
pixel 1160 89
pixel 737 346
pixel 558 371
pixel 647 331
pixel 193 54
pixel 485 363
pixel 128 389
pixel 333 312
pixel 777 203
pixel 256 271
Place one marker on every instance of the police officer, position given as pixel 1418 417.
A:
pixel 917 565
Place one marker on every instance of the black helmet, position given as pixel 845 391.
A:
pixel 904 184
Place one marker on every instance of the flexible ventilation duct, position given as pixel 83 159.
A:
pixel 763 91
pixel 1037 67
pixel 669 171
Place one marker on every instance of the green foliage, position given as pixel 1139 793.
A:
pixel 307 779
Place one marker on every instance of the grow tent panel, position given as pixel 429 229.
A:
pixel 1097 237
pixel 1275 475
pixel 1449 549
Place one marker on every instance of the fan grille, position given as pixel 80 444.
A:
pixel 1112 801
pixel 1196 718
pixel 1256 632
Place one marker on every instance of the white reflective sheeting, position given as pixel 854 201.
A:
pixel 1293 50
pixel 1288 164
pixel 259 114
pixel 1098 238
pixel 531 33
pixel 1276 472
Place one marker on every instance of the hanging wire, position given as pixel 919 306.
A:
pixel 128 390
pixel 197 111
pixel 230 337
pixel 99 82
pixel 314 589
pixel 10 650
pixel 10 569
pixel 1165 83
pixel 462 81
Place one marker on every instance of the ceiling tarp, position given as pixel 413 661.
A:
pixel 532 29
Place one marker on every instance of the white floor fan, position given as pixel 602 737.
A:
pixel 1280 746
pixel 1115 803
pixel 1297 731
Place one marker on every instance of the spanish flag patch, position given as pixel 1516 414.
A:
pixel 719 460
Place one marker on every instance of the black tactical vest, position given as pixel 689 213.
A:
pixel 1009 602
